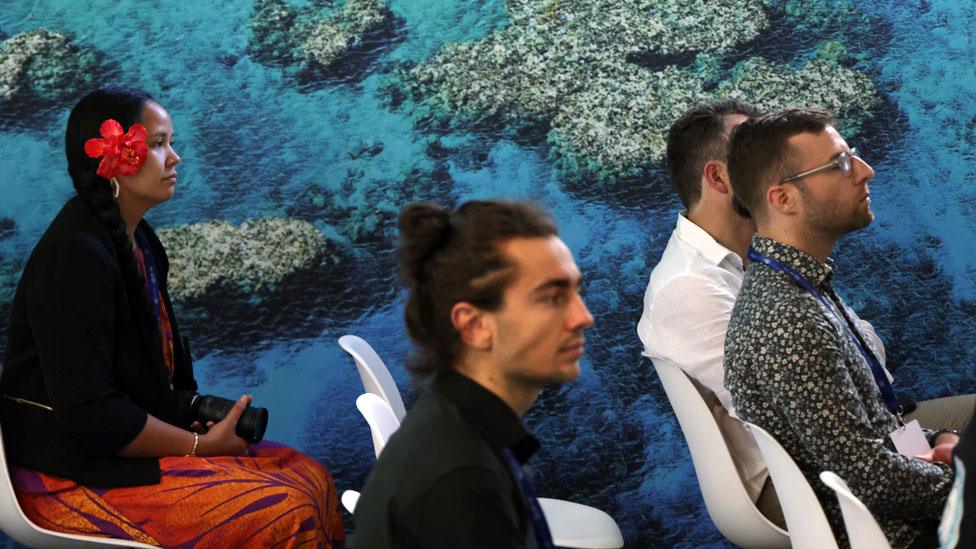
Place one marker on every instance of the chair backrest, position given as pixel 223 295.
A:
pixel 349 500
pixel 15 523
pixel 379 415
pixel 376 377
pixel 729 505
pixel 862 528
pixel 805 517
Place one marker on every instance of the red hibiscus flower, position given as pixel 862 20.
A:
pixel 122 154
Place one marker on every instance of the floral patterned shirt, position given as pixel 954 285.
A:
pixel 792 370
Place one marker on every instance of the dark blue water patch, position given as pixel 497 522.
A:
pixel 929 332
pixel 358 62
pixel 273 43
pixel 242 373
pixel 366 150
pixel 646 192
pixel 527 132
pixel 8 227
pixel 790 39
pixel 44 92
pixel 468 154
pixel 395 94
pixel 300 305
pixel 882 132
pixel 364 210
pixel 238 164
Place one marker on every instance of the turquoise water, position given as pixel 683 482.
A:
pixel 257 142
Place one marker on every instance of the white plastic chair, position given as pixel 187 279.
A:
pixel 862 528
pixel 380 418
pixel 15 523
pixel 728 504
pixel 805 517
pixel 349 500
pixel 580 526
pixel 373 372
pixel 572 525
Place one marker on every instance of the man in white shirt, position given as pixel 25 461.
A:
pixel 692 289
pixel 691 292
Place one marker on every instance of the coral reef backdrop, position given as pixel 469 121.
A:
pixel 304 125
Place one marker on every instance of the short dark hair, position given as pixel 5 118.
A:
pixel 759 154
pixel 449 257
pixel 697 137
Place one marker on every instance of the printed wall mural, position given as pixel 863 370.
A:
pixel 305 126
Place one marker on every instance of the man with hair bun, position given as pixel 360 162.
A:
pixel 495 314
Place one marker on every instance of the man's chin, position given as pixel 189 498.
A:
pixel 567 373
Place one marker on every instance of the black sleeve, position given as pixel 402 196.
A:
pixel 73 310
pixel 965 452
pixel 469 507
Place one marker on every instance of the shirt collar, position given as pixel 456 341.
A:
pixel 497 422
pixel 704 243
pixel 811 268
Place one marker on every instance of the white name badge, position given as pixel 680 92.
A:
pixel 910 440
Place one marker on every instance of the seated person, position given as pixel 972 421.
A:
pixel 495 313
pixel 797 362
pixel 693 288
pixel 958 527
pixel 97 380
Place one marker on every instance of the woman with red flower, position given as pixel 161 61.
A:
pixel 95 388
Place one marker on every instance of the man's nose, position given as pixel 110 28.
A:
pixel 580 317
pixel 862 169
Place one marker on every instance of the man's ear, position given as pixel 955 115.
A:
pixel 473 324
pixel 782 197
pixel 716 175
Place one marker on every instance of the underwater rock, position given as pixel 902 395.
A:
pixel 8 226
pixel 519 75
pixel 825 13
pixel 366 150
pixel 250 258
pixel 603 80
pixel 845 93
pixel 625 128
pixel 44 64
pixel 624 132
pixel 282 34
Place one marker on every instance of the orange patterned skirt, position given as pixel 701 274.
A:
pixel 277 498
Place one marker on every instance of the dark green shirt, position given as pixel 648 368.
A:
pixel 792 370
pixel 441 481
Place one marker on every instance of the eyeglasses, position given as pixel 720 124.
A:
pixel 843 161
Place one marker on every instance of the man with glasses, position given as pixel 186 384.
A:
pixel 797 362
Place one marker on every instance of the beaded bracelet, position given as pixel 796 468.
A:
pixel 196 441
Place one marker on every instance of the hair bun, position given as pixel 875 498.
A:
pixel 423 228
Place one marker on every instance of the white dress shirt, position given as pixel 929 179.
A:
pixel 687 307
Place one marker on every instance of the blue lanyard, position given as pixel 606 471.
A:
pixel 539 525
pixel 151 278
pixel 891 401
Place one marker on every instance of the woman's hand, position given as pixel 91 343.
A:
pixel 220 439
pixel 199 428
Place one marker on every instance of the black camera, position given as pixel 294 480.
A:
pixel 250 427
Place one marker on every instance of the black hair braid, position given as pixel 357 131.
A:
pixel 98 194
pixel 124 105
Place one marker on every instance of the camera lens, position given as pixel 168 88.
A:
pixel 251 425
